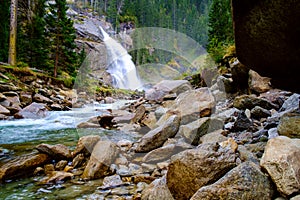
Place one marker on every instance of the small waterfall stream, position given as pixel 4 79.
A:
pixel 120 65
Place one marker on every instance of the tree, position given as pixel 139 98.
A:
pixel 61 34
pixel 4 27
pixel 12 55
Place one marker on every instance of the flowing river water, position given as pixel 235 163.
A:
pixel 19 137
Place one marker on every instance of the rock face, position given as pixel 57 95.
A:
pixel 267 39
pixel 281 159
pixel 156 137
pixel 194 104
pixel 245 182
pixel 103 155
pixel 22 166
pixel 193 169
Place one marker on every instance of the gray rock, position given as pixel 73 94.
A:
pixel 33 111
pixel 57 152
pixel 292 103
pixel 41 99
pixel 246 182
pixel 242 122
pixel 160 154
pixel 4 110
pixel 258 112
pixel 156 137
pixel 103 155
pixel 213 137
pixel 250 101
pixel 272 133
pixel 281 160
pixel 157 190
pixel 195 168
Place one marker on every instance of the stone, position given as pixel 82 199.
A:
pixel 213 137
pixel 49 168
pixel 156 137
pixel 22 166
pixel 240 75
pixel 112 181
pixel 289 125
pixel 258 112
pixel 150 120
pixel 195 168
pixel 258 83
pixel 57 177
pixel 26 98
pixel 225 84
pixel 193 131
pixel 41 99
pixel 33 111
pixel 139 114
pixel 61 165
pixel 146 178
pixel 103 155
pixel 86 144
pixel 281 160
pixel 292 103
pixel 88 125
pixel 266 39
pixel 109 100
pixel 124 144
pixel 160 154
pixel 78 160
pixel 56 107
pixel 4 111
pixel 165 87
pixel 194 104
pixel 157 190
pixel 250 101
pixel 242 122
pixel 57 152
pixel 246 182
pixel 295 197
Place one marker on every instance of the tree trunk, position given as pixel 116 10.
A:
pixel 12 55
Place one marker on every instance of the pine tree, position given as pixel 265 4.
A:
pixel 4 27
pixel 61 35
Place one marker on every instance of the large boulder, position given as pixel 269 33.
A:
pixel 161 89
pixel 86 144
pixel 103 155
pixel 246 182
pixel 267 39
pixel 195 168
pixel 281 159
pixel 23 166
pixel 33 111
pixel 194 104
pixel 156 137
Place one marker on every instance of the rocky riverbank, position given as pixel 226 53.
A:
pixel 203 143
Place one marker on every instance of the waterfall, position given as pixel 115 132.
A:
pixel 120 65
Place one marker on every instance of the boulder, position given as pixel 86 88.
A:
pixel 86 144
pixel 213 137
pixel 4 111
pixel 165 87
pixel 103 155
pixel 160 154
pixel 57 152
pixel 195 168
pixel 292 103
pixel 33 111
pixel 258 112
pixel 289 125
pixel 281 160
pixel 258 83
pixel 156 137
pixel 250 101
pixel 192 132
pixel 194 104
pixel 23 166
pixel 41 99
pixel 157 190
pixel 267 39
pixel 246 182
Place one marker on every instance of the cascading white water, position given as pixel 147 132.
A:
pixel 120 65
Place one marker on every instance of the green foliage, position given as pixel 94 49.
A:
pixel 4 27
pixel 220 35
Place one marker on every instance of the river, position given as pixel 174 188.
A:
pixel 20 136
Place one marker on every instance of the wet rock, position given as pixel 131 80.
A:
pixel 49 168
pixel 157 190
pixel 213 137
pixel 38 171
pixel 195 168
pixel 57 177
pixel 103 155
pixel 194 104
pixel 266 38
pixel 112 181
pixel 166 87
pixel 242 122
pixel 192 132
pixel 60 166
pixel 289 125
pixel 33 111
pixel 57 152
pixel 41 99
pixel 109 100
pixel 3 117
pixel 56 107
pixel 281 159
pixel 258 112
pixel 106 121
pixel 78 160
pixel 250 101
pixel 258 83
pixel 86 144
pixel 156 137
pixel 88 125
pixel 246 182
pixel 124 145
pixel 23 166
pixel 4 111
